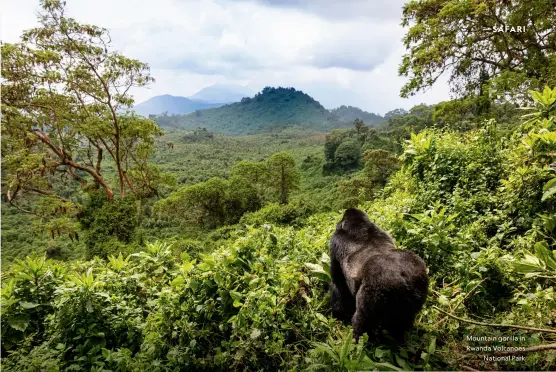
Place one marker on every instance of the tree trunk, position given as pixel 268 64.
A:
pixel 284 198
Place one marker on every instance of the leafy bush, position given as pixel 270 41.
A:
pixel 109 224
pixel 256 297
pixel 293 214
pixel 348 154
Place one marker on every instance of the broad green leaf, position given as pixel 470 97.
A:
pixel 322 318
pixel 548 193
pixel 178 281
pixel 389 366
pixel 28 305
pixel 236 296
pixel 549 184
pixel 544 254
pixel 188 265
pixel 403 363
pixel 315 268
pixel 19 323
pixel 432 346
pixel 89 306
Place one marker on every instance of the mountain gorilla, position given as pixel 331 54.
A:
pixel 374 284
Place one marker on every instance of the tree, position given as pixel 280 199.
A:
pixel 332 141
pixel 359 125
pixel 203 203
pixel 379 166
pixel 109 224
pixel 418 118
pixel 65 111
pixel 348 154
pixel 250 180
pixel 501 47
pixel 396 112
pixel 361 129
pixel 283 174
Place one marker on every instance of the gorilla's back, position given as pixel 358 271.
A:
pixel 395 285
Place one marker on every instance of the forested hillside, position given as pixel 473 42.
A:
pixel 271 110
pixel 130 245
pixel 348 114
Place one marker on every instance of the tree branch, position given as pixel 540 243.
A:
pixel 495 325
pixel 531 349
pixel 68 161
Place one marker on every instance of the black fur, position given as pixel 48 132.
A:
pixel 374 284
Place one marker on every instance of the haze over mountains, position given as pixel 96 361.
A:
pixel 172 105
pixel 223 93
pixel 214 96
pixel 272 109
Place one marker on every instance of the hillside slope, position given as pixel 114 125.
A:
pixel 270 110
pixel 348 114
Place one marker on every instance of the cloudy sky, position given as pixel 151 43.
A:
pixel 338 51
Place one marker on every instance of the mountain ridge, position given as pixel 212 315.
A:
pixel 349 113
pixel 172 105
pixel 209 97
pixel 269 110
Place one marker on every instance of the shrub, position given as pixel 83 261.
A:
pixel 293 213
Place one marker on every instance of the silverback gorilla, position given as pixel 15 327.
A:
pixel 374 284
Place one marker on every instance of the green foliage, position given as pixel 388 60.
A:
pixel 217 202
pixel 271 110
pixel 109 225
pixel 434 236
pixel 543 142
pixel 204 203
pixel 257 298
pixel 344 355
pixel 400 124
pixel 66 120
pixel 366 185
pixel 294 214
pixel 476 201
pixel 283 175
pixel 343 148
pixel 199 135
pixel 347 154
pixel 349 114
pixel 333 140
pixel 462 169
pixel 26 301
pixel 23 236
pixel 249 304
pixel 379 166
pixel 487 61
pixel 252 180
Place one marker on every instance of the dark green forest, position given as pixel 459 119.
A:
pixel 201 242
pixel 271 110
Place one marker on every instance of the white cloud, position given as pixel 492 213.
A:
pixel 346 9
pixel 340 54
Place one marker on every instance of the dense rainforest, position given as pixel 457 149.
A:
pixel 135 244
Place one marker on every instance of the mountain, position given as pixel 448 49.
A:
pixel 348 114
pixel 271 109
pixel 223 93
pixel 172 105
pixel 214 96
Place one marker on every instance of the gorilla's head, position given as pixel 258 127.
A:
pixel 355 221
